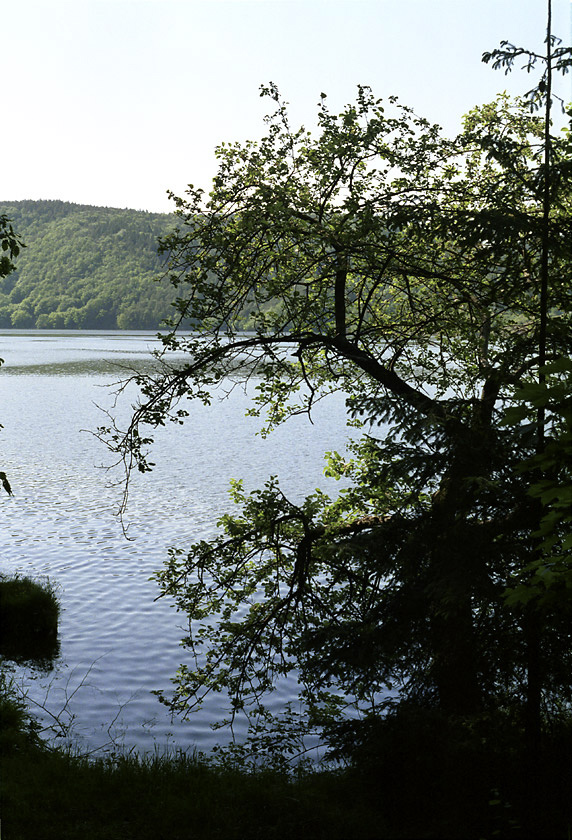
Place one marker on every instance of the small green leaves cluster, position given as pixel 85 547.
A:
pixel 10 243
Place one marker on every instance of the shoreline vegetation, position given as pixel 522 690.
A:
pixel 417 775
pixel 429 783
pixel 29 614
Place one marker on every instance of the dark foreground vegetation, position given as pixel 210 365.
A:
pixel 418 777
pixel 415 774
pixel 29 612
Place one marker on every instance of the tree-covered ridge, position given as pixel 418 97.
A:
pixel 85 267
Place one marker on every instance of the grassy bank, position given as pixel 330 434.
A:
pixel 48 794
pixel 56 795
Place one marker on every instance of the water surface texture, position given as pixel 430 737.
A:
pixel 117 643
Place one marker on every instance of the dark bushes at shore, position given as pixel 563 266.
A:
pixel 413 774
pixel 29 612
pixel 411 792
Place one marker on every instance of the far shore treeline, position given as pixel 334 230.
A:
pixel 85 267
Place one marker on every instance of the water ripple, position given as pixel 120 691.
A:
pixel 117 643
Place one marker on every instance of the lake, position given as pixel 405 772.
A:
pixel 118 643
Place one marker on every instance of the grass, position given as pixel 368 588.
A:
pixel 17 730
pixel 54 793
pixel 29 612
pixel 49 795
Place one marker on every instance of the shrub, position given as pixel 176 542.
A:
pixel 29 612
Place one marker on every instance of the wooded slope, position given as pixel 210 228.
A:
pixel 85 267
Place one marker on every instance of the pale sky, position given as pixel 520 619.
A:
pixel 113 102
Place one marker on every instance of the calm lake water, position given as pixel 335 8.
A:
pixel 117 643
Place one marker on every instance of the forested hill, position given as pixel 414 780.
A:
pixel 85 268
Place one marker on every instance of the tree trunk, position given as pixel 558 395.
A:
pixel 454 649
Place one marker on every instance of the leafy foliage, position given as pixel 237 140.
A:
pixel 548 577
pixel 383 260
pixel 10 243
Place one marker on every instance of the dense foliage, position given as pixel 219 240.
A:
pixel 84 268
pixel 430 280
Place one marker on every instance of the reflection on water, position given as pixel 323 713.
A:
pixel 78 353
pixel 89 367
pixel 117 643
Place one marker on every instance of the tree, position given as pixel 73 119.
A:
pixel 556 58
pixel 382 260
pixel 548 577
